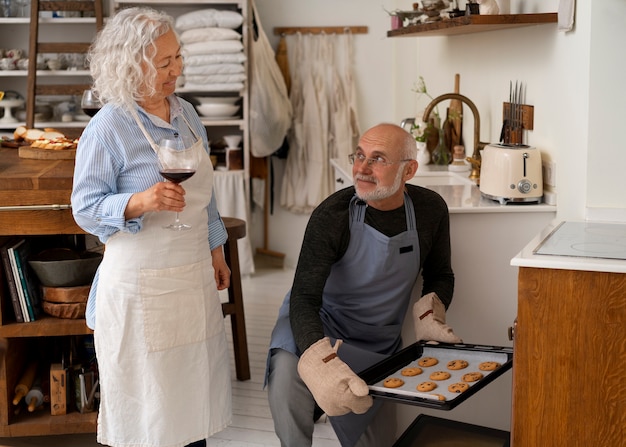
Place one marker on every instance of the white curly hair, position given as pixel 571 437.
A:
pixel 120 52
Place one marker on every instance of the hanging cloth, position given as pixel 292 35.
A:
pixel 325 121
pixel 270 108
pixel 282 59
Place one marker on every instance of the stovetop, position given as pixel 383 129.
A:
pixel 586 240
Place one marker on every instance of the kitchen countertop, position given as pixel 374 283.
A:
pixel 585 246
pixel 460 193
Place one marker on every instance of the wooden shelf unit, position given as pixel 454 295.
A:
pixel 473 24
pixel 26 182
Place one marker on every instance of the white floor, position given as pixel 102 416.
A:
pixel 252 422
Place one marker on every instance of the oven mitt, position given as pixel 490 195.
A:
pixel 335 387
pixel 429 319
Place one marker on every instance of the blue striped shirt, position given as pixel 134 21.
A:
pixel 114 160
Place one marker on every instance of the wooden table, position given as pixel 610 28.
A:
pixel 35 183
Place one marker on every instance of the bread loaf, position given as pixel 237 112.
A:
pixel 19 133
pixel 33 135
pixel 48 138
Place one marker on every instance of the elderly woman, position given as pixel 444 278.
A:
pixel 154 304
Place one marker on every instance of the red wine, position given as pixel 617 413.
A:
pixel 177 175
pixel 91 111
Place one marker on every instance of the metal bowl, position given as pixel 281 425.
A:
pixel 56 268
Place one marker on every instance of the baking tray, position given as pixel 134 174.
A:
pixel 409 356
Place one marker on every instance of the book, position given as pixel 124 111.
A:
pixel 29 283
pixel 18 282
pixel 10 280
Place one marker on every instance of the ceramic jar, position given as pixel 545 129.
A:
pixel 423 156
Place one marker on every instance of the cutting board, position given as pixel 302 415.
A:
pixel 456 111
pixel 46 154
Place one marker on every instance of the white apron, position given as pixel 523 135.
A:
pixel 160 338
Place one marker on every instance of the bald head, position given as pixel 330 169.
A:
pixel 393 138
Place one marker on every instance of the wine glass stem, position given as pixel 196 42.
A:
pixel 177 220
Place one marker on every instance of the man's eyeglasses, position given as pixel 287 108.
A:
pixel 359 158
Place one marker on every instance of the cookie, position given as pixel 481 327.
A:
pixel 489 366
pixel 455 365
pixel 439 396
pixel 458 387
pixel 426 386
pixel 412 371
pixel 472 377
pixel 393 382
pixel 427 361
pixel 440 375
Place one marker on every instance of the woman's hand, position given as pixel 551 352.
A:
pixel 222 272
pixel 162 196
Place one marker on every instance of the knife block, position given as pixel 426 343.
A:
pixel 528 114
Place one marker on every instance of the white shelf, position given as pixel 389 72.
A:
pixel 47 20
pixel 44 73
pixel 180 2
pixel 44 124
pixel 225 122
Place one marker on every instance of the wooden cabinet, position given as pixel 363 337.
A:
pixel 569 357
pixel 35 197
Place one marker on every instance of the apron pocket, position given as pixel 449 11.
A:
pixel 174 307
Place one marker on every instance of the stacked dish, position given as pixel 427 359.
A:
pixel 217 107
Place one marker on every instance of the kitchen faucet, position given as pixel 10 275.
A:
pixel 478 145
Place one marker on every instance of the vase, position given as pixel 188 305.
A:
pixel 441 154
pixel 423 156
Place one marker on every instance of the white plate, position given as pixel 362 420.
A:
pixel 218 118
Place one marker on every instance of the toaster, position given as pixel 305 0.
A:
pixel 511 173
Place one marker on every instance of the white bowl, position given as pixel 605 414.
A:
pixel 230 100
pixel 217 110
pixel 232 141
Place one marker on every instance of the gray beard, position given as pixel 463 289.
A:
pixel 381 192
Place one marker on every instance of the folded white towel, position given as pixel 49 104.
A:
pixel 211 69
pixel 228 87
pixel 215 78
pixel 209 17
pixel 221 58
pixel 205 34
pixel 214 47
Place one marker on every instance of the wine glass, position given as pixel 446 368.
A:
pixel 90 103
pixel 178 161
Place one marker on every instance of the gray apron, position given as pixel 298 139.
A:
pixel 368 315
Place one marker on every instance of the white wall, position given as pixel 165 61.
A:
pixel 574 81
pixel 606 181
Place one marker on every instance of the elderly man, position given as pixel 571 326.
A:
pixel 363 250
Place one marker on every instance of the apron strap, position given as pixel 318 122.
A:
pixel 153 145
pixel 357 213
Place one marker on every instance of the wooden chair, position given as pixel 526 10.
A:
pixel 236 229
pixel 36 47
